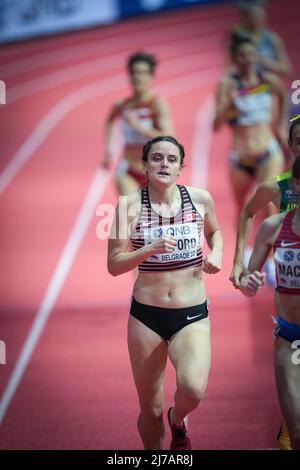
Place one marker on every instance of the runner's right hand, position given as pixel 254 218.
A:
pixel 237 271
pixel 253 282
pixel 165 244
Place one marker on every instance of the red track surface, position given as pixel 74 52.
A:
pixel 77 391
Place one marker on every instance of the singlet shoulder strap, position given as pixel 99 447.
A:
pixel 288 219
pixel 264 82
pixel 285 227
pixel 145 199
pixel 186 198
pixel 153 100
pixel 185 195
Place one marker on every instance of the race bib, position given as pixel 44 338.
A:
pixel 131 135
pixel 188 241
pixel 288 266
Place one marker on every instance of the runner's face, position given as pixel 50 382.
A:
pixel 246 57
pixel 295 143
pixel 163 164
pixel 141 76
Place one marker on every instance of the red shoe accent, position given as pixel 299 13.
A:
pixel 283 437
pixel 180 439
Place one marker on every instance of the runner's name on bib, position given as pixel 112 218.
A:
pixel 188 241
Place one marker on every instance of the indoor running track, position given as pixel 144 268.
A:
pixel 67 383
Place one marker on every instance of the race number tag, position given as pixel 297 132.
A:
pixel 188 241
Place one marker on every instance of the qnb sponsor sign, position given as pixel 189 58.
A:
pixel 2 352
pixel 26 18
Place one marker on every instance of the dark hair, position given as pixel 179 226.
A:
pixel 237 40
pixel 163 138
pixel 295 123
pixel 296 168
pixel 247 5
pixel 142 57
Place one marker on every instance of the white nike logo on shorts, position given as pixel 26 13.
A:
pixel 285 244
pixel 192 318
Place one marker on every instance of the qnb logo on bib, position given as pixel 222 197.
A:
pixel 157 233
pixel 179 230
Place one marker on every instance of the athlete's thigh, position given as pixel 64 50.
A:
pixel 148 356
pixel 272 167
pixel 287 370
pixel 241 184
pixel 190 351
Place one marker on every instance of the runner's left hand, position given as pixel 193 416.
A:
pixel 212 263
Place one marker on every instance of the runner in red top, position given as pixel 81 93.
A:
pixel 142 116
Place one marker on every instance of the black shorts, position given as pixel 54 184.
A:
pixel 250 165
pixel 167 321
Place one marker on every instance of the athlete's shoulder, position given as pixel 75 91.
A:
pixel 159 102
pixel 272 80
pixel 158 99
pixel 228 80
pixel 268 188
pixel 201 196
pixel 117 109
pixel 119 103
pixel 130 204
pixel 265 192
pixel 134 197
pixel 122 103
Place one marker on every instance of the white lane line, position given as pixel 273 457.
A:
pixel 201 143
pixel 94 90
pixel 87 211
pixel 111 64
pixel 103 46
pixel 50 121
